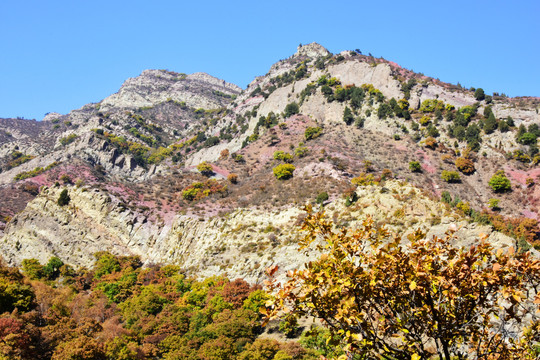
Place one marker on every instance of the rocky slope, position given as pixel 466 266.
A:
pixel 130 164
pixel 242 243
pixel 167 102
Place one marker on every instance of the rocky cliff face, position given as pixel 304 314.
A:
pixel 198 90
pixel 242 243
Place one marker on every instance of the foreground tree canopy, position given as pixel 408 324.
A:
pixel 427 299
pixel 119 310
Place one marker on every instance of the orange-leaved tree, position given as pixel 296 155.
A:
pixel 385 298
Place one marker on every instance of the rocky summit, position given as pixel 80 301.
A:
pixel 190 170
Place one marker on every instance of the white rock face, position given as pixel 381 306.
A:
pixel 431 91
pixel 245 242
pixel 51 116
pixel 156 86
pixel 358 73
pixel 312 50
pixel 240 244
pixel 520 116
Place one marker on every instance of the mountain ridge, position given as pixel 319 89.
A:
pixel 335 117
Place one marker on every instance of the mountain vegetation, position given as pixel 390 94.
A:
pixel 123 223
pixel 119 310
pixel 429 299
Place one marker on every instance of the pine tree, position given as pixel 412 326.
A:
pixel 348 116
pixel 479 94
pixel 490 124
pixel 64 198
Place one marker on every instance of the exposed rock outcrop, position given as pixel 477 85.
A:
pixel 240 244
pixel 157 86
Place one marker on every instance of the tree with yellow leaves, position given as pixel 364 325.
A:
pixel 385 298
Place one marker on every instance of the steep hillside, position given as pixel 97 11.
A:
pixel 152 110
pixel 242 242
pixel 191 170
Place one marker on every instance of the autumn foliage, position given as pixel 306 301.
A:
pixel 381 297
pixel 233 178
pixel 431 143
pixel 199 190
pixel 205 168
pixel 283 171
pixel 120 310
pixel 465 165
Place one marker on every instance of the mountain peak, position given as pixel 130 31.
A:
pixel 313 50
pixel 152 87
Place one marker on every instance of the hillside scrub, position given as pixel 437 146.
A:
pixel 450 176
pixel 64 198
pixel 312 133
pixel 465 165
pixel 17 158
pixel 199 190
pixel 205 168
pixel 291 109
pixel 283 156
pixel 68 139
pixel 35 172
pixel 284 171
pixel 499 182
pixel 415 166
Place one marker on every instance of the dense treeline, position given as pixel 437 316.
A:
pixel 120 310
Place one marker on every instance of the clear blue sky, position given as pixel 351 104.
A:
pixel 60 55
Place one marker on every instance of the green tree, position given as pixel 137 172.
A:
pixel 415 166
pixel 322 197
pixel 284 171
pixel 493 204
pixel 521 130
pixel 52 269
pixel 499 182
pixel 472 135
pixel 64 198
pixel 534 129
pixel 32 268
pixel 487 111
pixel 14 294
pixel 348 117
pixel 510 121
pixel 341 94
pixel 106 263
pixel 283 156
pixel 291 109
pixel 357 97
pixel 446 197
pixel 383 299
pixel 450 176
pixel 503 126
pixel 432 131
pixel 312 132
pixel 384 111
pixel 527 139
pixel 490 124
pixel 479 94
pixel 458 132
